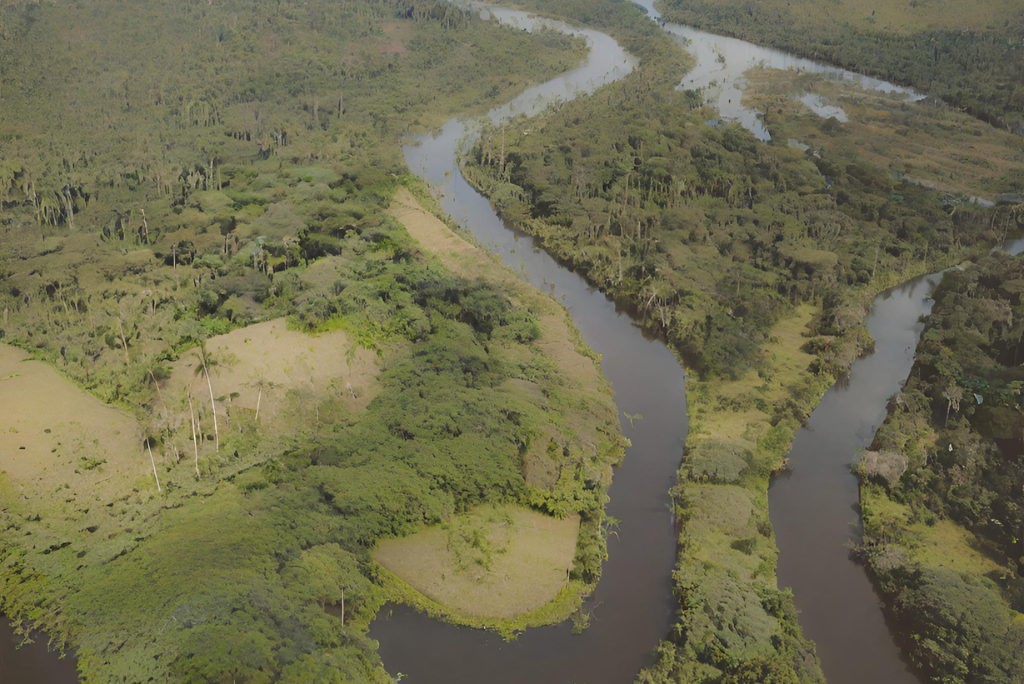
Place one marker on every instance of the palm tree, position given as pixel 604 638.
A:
pixel 195 442
pixel 952 394
pixel 261 383
pixel 153 461
pixel 205 361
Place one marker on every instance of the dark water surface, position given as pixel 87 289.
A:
pixel 33 663
pixel 813 507
pixel 633 605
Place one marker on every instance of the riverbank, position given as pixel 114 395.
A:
pixel 262 478
pixel 635 240
pixel 941 486
pixel 631 608
pixel 564 347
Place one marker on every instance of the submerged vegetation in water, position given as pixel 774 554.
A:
pixel 208 166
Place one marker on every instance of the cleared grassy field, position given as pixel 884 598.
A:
pixel 740 418
pixel 494 562
pixel 941 546
pixel 290 366
pixel 54 435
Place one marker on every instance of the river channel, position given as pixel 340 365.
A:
pixel 33 663
pixel 632 605
pixel 813 508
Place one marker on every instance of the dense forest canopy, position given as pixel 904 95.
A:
pixel 950 450
pixel 971 55
pixel 712 235
pixel 173 171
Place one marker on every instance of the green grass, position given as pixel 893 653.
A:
pixel 949 546
pixel 227 131
pixel 491 563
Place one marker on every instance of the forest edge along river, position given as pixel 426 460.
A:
pixel 632 607
pixel 813 507
pixel 430 651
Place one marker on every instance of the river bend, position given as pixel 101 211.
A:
pixel 813 507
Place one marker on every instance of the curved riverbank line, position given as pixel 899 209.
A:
pixel 632 608
pixel 431 652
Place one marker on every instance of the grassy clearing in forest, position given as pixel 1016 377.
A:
pixel 739 411
pixel 786 360
pixel 493 562
pixel 287 364
pixel 54 435
pixel 936 545
pixel 949 546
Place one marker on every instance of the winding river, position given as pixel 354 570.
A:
pixel 815 515
pixel 813 508
pixel 633 605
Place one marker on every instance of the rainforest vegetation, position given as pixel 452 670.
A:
pixel 172 176
pixel 191 168
pixel 943 491
pixel 739 253
pixel 969 55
